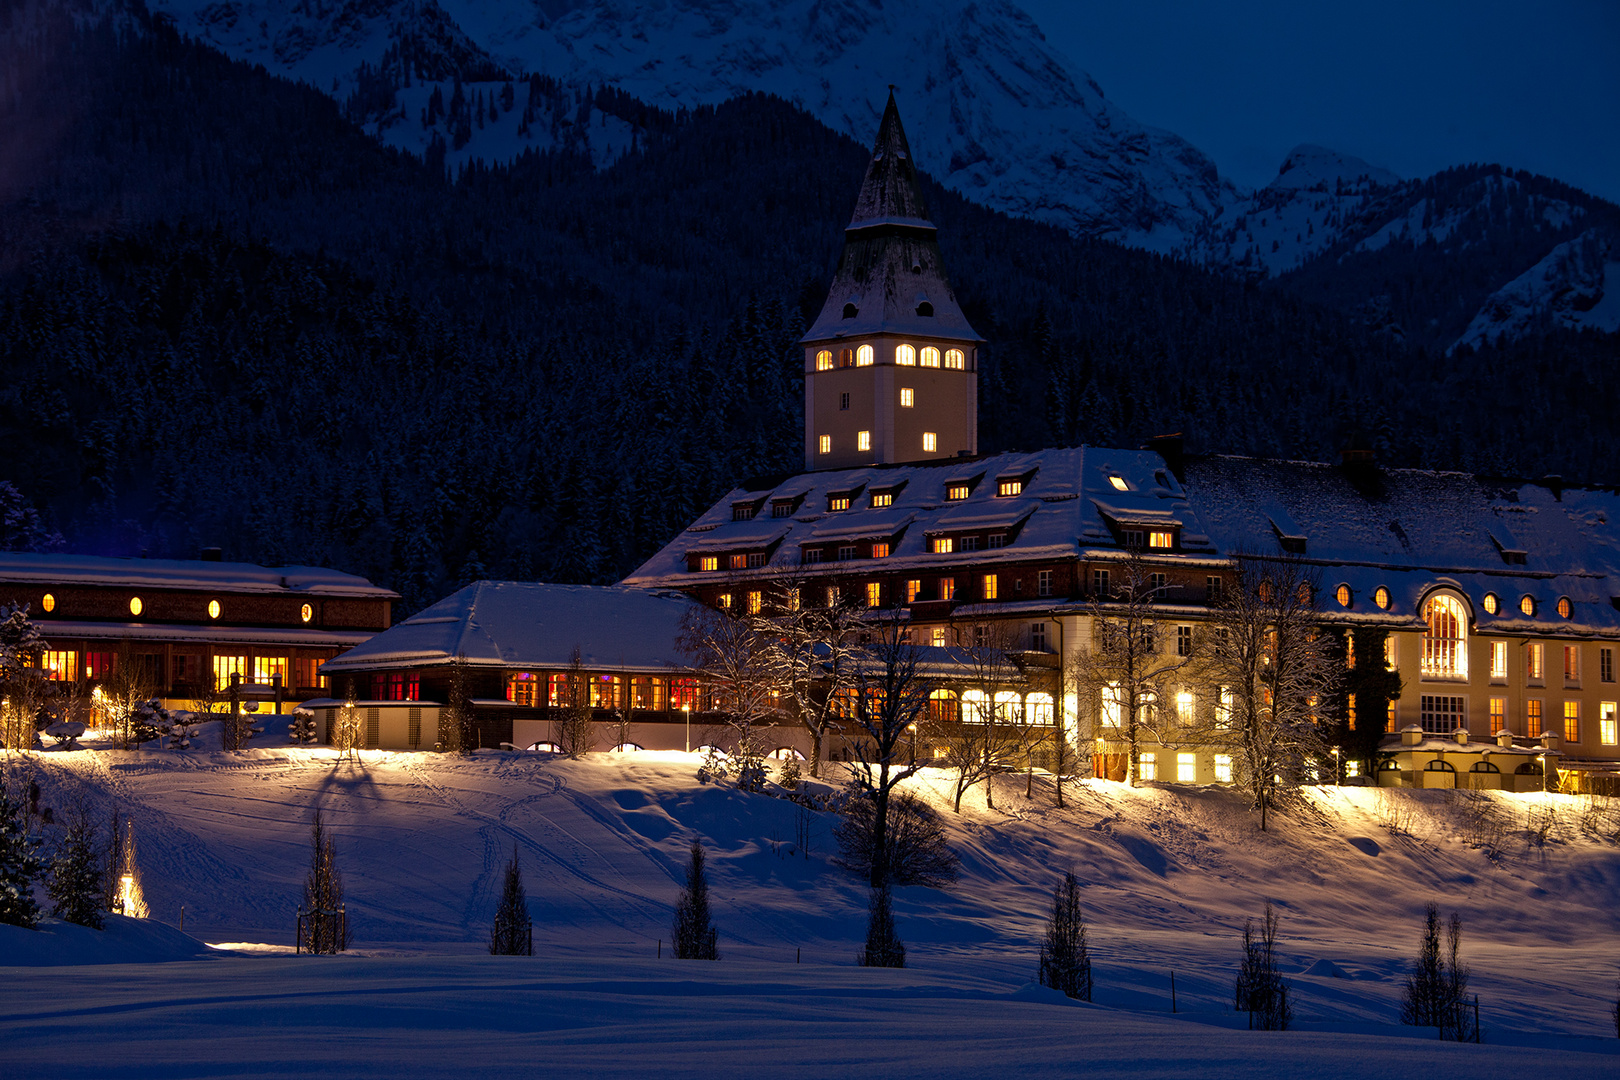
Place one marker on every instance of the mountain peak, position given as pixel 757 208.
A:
pixel 1310 166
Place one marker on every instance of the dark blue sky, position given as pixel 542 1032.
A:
pixel 1414 87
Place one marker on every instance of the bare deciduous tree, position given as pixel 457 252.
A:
pixel 736 657
pixel 324 926
pixel 812 661
pixel 990 735
pixel 575 732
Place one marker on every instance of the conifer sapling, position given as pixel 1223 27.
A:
pixel 20 864
pixel 1065 959
pixel 511 935
pixel 695 937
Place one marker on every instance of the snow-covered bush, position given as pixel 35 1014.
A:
pixel 788 775
pixel 77 883
pixel 147 721
pixel 302 729
pixel 66 732
pixel 181 729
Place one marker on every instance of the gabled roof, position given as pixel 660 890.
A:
pixel 516 624
pixel 891 268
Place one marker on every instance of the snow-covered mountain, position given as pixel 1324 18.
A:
pixel 1577 286
pixel 993 111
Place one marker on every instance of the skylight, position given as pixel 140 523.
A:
pixel 1119 483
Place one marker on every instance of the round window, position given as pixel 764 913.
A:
pixel 306 613
pixel 1527 604
pixel 135 605
pixel 1492 604
pixel 1565 608
pixel 1343 595
pixel 213 609
pixel 48 602
pixel 1381 597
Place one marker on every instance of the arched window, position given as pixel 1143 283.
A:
pixel 1565 608
pixel 850 311
pixel 1485 767
pixel 905 355
pixel 1527 604
pixel 955 360
pixel 1038 709
pixel 846 357
pixel 1342 595
pixel 863 356
pixel 1381 597
pixel 930 356
pixel 925 309
pixel 785 753
pixel 1439 765
pixel 1445 642
pixel 824 360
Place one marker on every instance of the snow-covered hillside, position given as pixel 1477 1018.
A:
pixel 1577 286
pixel 991 109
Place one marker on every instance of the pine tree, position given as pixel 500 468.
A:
pixel 695 936
pixel 883 945
pixel 1261 990
pixel 20 864
pixel 512 934
pixel 1065 959
pixel 1428 1000
pixel 325 921
pixel 77 883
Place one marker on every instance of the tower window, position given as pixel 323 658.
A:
pixel 824 360
pixel 850 311
pixel 863 440
pixel 908 397
pixel 930 356
pixel 955 360
pixel 846 358
pixel 925 309
pixel 824 444
pixel 905 355
pixel 930 442
pixel 843 402
pixel 863 356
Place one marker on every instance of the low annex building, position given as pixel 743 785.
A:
pixel 185 628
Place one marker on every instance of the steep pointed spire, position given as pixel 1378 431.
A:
pixel 890 191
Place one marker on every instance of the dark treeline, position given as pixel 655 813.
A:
pixel 229 317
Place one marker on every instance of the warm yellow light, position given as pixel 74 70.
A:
pixel 135 605
pixel 306 613
pixel 48 603
pixel 1119 483
pixel 213 609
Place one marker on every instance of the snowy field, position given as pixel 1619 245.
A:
pixel 1168 874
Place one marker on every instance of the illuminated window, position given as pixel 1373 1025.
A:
pixel 724 600
pixel 863 356
pixel 908 397
pixel 846 357
pixel 1119 483
pixel 737 562
pixel 943 545
pixel 957 492
pixel 863 440
pixel 1499 661
pixel 1223 768
pixel 306 613
pixel 989 589
pixel 225 667
pixel 1390 658
pixel 942 707
pixel 792 599
pixel 1442 714
pixel 1112 705
pixel 1186 768
pixel 396 686
pixel 267 668
pixel 1381 597
pixel 1350 711
pixel 1532 718
pixel 837 503
pixel 874 594
pixel 135 605
pixel 1150 766
pixel 913 587
pixel 61 665
pixel 1342 595
pixel 48 602
pixel 882 498
pixel 824 360
pixel 833 594
pixel 1527 604
pixel 1349 651
pixel 938 637
pixel 1572 721
pixel 1445 641
pixel 905 355
pixel 523 688
pixel 880 551
pixel 1492 604
pixel 824 444
pixel 930 356
pixel 647 693
pixel 306 672
pixel 930 442
pixel 1498 714
pixel 605 691
pixel 1006 489
pixel 708 562
pixel 1533 653
pixel 1608 734
pixel 1389 717
pixel 1184 706
pixel 1038 710
pixel 1160 538
pixel 947 588
pixel 955 360
pixel 1572 663
pixel 756 601
pixel 1565 609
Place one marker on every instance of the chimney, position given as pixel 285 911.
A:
pixel 1555 484
pixel 1173 449
pixel 1504 738
pixel 212 554
pixel 1461 735
pixel 1411 735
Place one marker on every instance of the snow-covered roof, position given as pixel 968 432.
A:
pixel 201 575
pixel 533 625
pixel 60 630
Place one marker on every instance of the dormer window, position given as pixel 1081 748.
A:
pixel 850 311
pixel 846 552
pixel 1492 604
pixel 1161 538
pixel 943 545
pixel 957 492
pixel 708 562
pixel 996 540
pixel 811 555
pixel 743 511
pixel 880 550
pixel 837 503
pixel 781 508
pixel 1006 489
pixel 1131 538
pixel 739 562
pixel 881 499
pixel 925 309
pixel 1119 483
